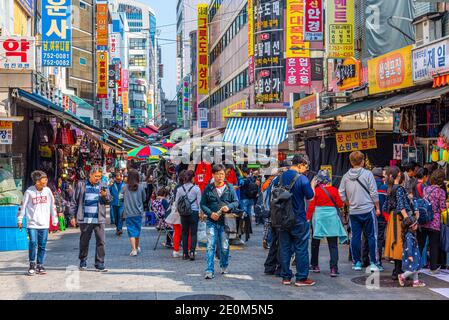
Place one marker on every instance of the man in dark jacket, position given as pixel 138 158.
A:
pixel 88 205
pixel 218 198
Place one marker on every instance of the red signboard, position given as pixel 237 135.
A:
pixel 314 20
pixel 298 72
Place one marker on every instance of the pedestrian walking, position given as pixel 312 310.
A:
pixel 38 205
pixel 175 219
pixel 436 195
pixel 324 212
pixel 218 199
pixel 294 238
pixel 191 194
pixel 117 205
pixel 134 199
pixel 249 190
pixel 411 258
pixel 359 190
pixel 272 265
pixel 88 208
pixel 399 207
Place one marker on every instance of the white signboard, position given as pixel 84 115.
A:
pixel 5 132
pixel 17 53
pixel 114 46
pixel 107 111
pixel 430 60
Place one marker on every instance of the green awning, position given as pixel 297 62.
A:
pixel 80 102
pixel 355 107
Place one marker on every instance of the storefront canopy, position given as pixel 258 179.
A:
pixel 260 132
pixel 80 102
pixel 418 97
pixel 128 144
pixel 42 104
pixel 148 131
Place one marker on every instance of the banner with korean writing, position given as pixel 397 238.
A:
pixel 340 28
pixel 298 72
pixel 114 47
pixel 269 50
pixel 203 50
pixel 17 53
pixel 391 71
pixel 56 33
pixel 251 41
pixel 348 74
pixel 296 47
pixel 125 95
pixel 356 140
pixel 102 25
pixel 5 132
pixel 305 110
pixel 102 74
pixel 229 111
pixel 430 60
pixel 314 20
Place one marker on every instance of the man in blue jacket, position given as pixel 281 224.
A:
pixel 218 198
pixel 117 204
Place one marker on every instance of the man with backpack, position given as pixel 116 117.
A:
pixel 289 215
pixel 358 190
pixel 249 190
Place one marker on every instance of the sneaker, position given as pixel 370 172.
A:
pixel 380 267
pixel 374 268
pixel 139 251
pixel 101 268
pixel 357 266
pixel 305 283
pixel 192 256
pixel 209 275
pixel 436 271
pixel 315 269
pixel 224 271
pixel 401 280
pixel 83 265
pixel 176 254
pixel 133 253
pixel 286 282
pixel 334 272
pixel 32 269
pixel 418 284
pixel 40 269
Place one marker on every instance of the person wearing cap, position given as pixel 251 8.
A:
pixel 37 204
pixel 296 239
pixel 382 188
pixel 324 213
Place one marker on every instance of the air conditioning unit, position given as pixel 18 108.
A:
pixel 427 31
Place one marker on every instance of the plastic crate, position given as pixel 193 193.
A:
pixel 8 216
pixel 12 239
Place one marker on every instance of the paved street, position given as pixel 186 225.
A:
pixel 156 275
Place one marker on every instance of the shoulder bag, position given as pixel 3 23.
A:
pixel 335 203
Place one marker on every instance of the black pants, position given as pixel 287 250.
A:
pixel 86 233
pixel 273 262
pixel 434 245
pixel 381 228
pixel 189 225
pixel 332 243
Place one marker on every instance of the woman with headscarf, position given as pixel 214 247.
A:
pixel 324 212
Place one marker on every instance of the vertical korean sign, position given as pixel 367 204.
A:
pixel 125 85
pixel 102 74
pixel 56 33
pixel 268 50
pixel 203 50
pixel 102 25
pixel 314 20
pixel 296 47
pixel 251 41
pixel 340 32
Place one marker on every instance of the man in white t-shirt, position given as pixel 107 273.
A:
pixel 37 204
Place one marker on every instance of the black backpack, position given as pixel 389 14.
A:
pixel 184 206
pixel 252 189
pixel 281 207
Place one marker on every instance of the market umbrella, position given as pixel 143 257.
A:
pixel 167 143
pixel 146 151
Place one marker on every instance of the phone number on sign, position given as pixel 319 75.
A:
pixel 47 55
pixel 57 63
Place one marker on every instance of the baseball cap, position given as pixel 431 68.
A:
pixel 378 172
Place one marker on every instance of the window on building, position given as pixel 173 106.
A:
pixel 137 44
pixel 83 5
pixel 138 60
pixel 83 61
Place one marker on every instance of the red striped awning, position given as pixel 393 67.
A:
pixel 440 81
pixel 154 128
pixel 147 131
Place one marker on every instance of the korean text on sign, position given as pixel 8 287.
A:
pixel 296 46
pixel 314 20
pixel 203 50
pixel 340 17
pixel 16 53
pixel 56 33
pixel 356 140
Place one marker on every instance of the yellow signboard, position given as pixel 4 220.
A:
pixel 228 111
pixel 203 50
pixel 356 140
pixel 250 28
pixel 340 28
pixel 125 102
pixel 102 74
pixel 391 71
pixel 305 110
pixel 296 47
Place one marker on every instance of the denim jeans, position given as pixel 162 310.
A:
pixel 295 240
pixel 38 240
pixel 247 205
pixel 367 223
pixel 216 233
pixel 117 215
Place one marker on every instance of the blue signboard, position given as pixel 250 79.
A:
pixel 152 28
pixel 56 33
pixel 203 124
